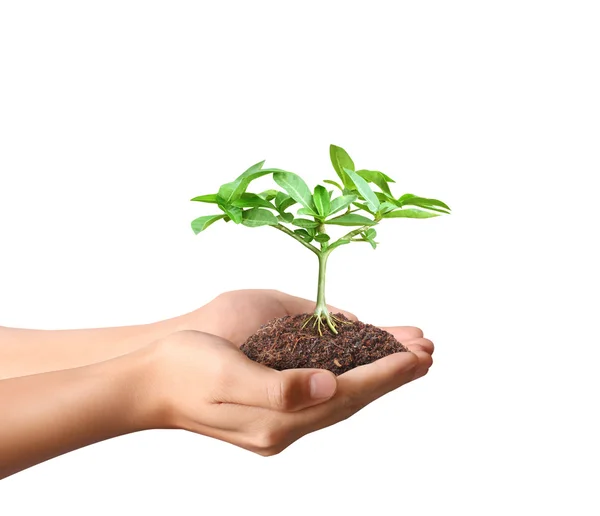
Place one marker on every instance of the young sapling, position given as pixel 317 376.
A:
pixel 356 205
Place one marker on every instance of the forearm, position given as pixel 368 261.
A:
pixel 26 352
pixel 46 415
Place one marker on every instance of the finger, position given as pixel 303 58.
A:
pixel 424 344
pixel 359 387
pixel 365 384
pixel 246 382
pixel 425 361
pixel 403 333
pixel 297 305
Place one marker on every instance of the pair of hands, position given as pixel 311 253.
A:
pixel 205 384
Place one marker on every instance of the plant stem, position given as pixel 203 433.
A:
pixel 296 237
pixel 346 238
pixel 321 307
pixel 321 312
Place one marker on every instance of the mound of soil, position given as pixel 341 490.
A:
pixel 283 344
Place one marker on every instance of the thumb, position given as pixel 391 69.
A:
pixel 256 385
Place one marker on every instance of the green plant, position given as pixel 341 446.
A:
pixel 318 211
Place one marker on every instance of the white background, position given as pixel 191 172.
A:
pixel 114 114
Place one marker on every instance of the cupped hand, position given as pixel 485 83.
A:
pixel 238 314
pixel 203 383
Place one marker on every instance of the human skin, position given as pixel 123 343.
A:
pixel 175 375
pixel 233 316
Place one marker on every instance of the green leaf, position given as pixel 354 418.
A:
pixel 377 178
pixel 201 223
pixel 363 206
pixel 405 197
pixel 306 211
pixel 252 170
pixel 364 190
pixel 233 212
pixel 333 183
pixel 279 198
pixel 422 202
pixel 268 195
pixel 321 200
pixel 369 235
pixel 385 197
pixel 386 206
pixel 231 191
pixel 341 161
pixel 351 219
pixel 295 186
pixel 305 223
pixel 259 217
pixel 212 198
pixel 341 203
pixel 285 203
pixel 226 191
pixel 410 213
pixel 322 237
pixel 286 217
pixel 305 235
pixel 249 200
pixel 234 190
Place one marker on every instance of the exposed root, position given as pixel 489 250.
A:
pixel 307 321
pixel 340 320
pixel 320 319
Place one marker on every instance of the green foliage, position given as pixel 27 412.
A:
pixel 351 219
pixel 322 237
pixel 365 191
pixel 250 200
pixel 201 223
pixel 305 223
pixel 377 178
pixel 259 217
pixel 269 195
pixel 212 198
pixel 321 201
pixel 295 186
pixel 410 213
pixel 369 236
pixel 341 162
pixel 334 183
pixel 304 234
pixel 421 202
pixel 341 203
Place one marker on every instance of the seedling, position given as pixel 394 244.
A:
pixel 356 205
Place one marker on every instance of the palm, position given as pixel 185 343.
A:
pixel 237 315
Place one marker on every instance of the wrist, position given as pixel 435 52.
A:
pixel 152 372
pixel 134 377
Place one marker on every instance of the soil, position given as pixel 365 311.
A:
pixel 283 344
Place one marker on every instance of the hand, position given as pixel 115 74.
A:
pixel 238 314
pixel 206 385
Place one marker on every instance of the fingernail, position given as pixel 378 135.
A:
pixel 322 385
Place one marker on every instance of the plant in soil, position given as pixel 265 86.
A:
pixel 359 201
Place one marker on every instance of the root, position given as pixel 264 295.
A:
pixel 340 320
pixel 321 319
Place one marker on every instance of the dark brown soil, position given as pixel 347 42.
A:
pixel 283 344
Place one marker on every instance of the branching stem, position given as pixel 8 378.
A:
pixel 321 314
pixel 296 237
pixel 348 236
